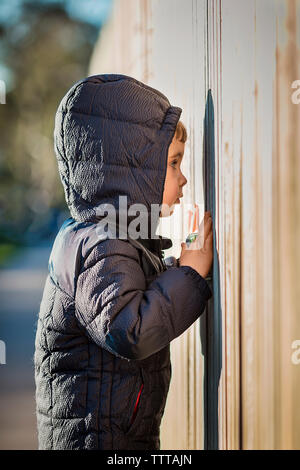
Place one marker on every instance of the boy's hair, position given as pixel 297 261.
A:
pixel 181 132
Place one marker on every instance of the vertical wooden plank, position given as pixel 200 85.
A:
pixel 233 35
pixel 212 160
pixel 286 223
pixel 265 15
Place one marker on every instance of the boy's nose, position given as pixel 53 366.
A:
pixel 184 181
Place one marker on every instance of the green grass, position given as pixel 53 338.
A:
pixel 7 251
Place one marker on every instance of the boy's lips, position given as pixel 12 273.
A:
pixel 178 199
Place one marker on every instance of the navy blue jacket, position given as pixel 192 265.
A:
pixel 110 306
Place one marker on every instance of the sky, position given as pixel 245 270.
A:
pixel 95 12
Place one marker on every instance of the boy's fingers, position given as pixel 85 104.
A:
pixel 207 227
pixel 205 218
pixel 209 241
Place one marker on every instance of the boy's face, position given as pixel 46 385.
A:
pixel 175 180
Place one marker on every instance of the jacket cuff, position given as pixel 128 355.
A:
pixel 201 282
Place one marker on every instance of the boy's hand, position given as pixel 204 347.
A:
pixel 200 259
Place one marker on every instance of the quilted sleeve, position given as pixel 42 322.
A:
pixel 124 317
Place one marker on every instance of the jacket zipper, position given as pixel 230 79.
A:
pixel 136 405
pixel 153 258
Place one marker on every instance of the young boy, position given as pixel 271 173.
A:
pixel 110 306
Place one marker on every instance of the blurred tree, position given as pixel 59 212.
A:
pixel 45 52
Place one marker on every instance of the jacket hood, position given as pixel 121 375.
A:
pixel 111 138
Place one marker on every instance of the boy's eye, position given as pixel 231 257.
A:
pixel 174 161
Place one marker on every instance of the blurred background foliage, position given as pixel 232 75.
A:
pixel 45 47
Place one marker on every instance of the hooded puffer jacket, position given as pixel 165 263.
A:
pixel 111 305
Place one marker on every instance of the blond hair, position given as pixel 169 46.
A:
pixel 181 132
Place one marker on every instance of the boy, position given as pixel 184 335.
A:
pixel 110 307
